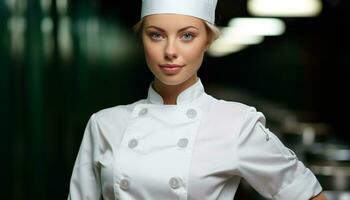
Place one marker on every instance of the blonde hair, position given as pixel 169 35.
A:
pixel 212 29
pixel 215 31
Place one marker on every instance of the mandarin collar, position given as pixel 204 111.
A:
pixel 187 96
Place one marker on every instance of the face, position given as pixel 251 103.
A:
pixel 174 47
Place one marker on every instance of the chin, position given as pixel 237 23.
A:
pixel 175 80
pixel 172 80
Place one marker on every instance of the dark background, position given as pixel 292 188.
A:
pixel 47 98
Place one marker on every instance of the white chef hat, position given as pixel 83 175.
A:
pixel 204 9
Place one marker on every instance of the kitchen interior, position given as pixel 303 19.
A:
pixel 62 60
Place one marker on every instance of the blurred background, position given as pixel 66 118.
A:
pixel 62 60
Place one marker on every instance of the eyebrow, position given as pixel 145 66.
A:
pixel 182 29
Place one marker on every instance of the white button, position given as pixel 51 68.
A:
pixel 132 143
pixel 182 142
pixel 191 113
pixel 124 184
pixel 143 111
pixel 174 182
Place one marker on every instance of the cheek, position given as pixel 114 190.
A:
pixel 151 52
pixel 194 53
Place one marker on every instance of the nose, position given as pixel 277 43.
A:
pixel 170 50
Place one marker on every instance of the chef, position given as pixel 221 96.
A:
pixel 180 143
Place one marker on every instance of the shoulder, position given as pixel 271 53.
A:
pixel 233 105
pixel 115 113
pixel 238 109
pixel 239 115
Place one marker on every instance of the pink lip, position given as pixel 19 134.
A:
pixel 171 65
pixel 171 68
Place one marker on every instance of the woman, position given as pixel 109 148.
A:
pixel 179 142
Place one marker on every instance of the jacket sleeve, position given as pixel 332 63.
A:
pixel 269 167
pixel 85 180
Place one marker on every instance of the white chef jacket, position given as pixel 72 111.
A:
pixel 198 149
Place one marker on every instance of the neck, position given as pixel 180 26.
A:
pixel 169 93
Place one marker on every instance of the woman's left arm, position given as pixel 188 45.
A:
pixel 320 196
pixel 270 167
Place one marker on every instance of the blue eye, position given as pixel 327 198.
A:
pixel 156 36
pixel 187 36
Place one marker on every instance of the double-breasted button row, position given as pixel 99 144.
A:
pixel 191 113
pixel 174 182
pixel 183 142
